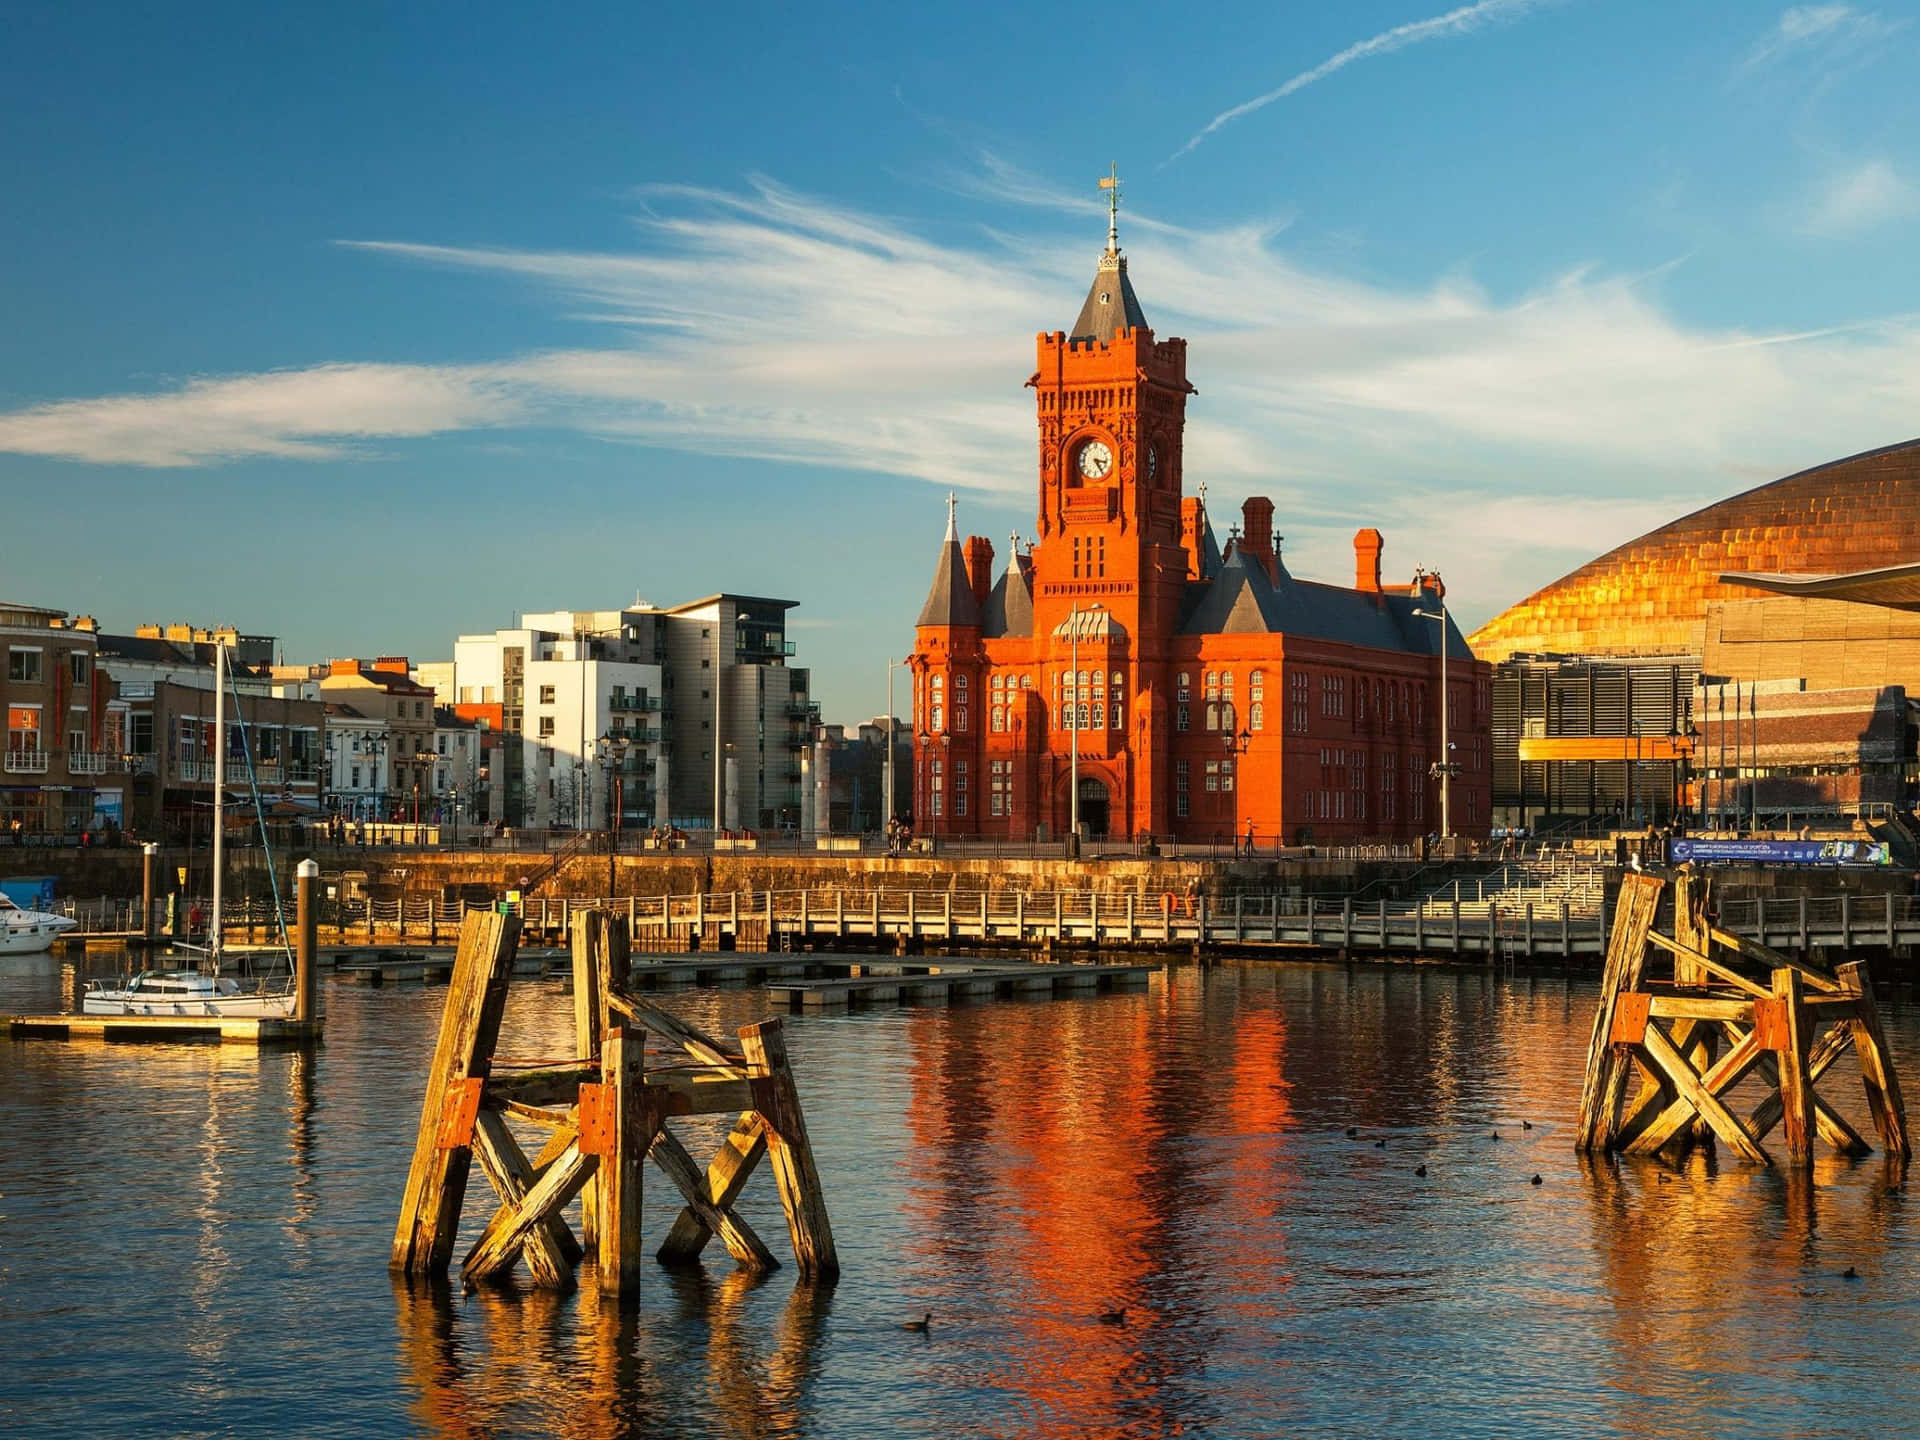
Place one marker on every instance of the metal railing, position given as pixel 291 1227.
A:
pixel 26 762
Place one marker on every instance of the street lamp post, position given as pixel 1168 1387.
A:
pixel 613 754
pixel 1235 746
pixel 892 665
pixel 1444 767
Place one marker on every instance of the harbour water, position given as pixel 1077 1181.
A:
pixel 193 1240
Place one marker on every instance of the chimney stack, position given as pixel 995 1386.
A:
pixel 1367 545
pixel 980 569
pixel 1257 532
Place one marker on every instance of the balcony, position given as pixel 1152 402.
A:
pixel 637 734
pixel 801 710
pixel 26 762
pixel 630 704
pixel 87 762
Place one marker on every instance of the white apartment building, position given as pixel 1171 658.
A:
pixel 712 725
pixel 580 706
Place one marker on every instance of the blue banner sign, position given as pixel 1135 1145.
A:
pixel 1784 852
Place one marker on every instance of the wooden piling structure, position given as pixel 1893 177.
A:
pixel 605 1113
pixel 1668 1022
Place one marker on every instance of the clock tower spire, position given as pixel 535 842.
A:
pixel 1111 407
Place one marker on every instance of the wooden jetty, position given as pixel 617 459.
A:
pixel 604 1113
pixel 303 1027
pixel 890 984
pixel 1714 1009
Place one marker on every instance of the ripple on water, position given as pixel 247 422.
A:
pixel 195 1238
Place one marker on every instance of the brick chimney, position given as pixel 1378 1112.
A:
pixel 1366 560
pixel 980 568
pixel 391 664
pixel 1256 538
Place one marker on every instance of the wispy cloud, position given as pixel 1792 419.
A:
pixel 766 323
pixel 1463 21
pixel 1860 197
pixel 1827 29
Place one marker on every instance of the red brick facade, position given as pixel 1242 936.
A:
pixel 1327 693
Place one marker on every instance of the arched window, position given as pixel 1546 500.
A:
pixel 1083 717
pixel 999 719
pixel 1116 712
pixel 939 716
pixel 960 714
pixel 1226 715
pixel 1099 715
pixel 1026 682
pixel 1213 716
pixel 1181 684
pixel 959 687
pixel 999 682
pixel 1257 715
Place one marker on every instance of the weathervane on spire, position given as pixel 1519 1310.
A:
pixel 1110 182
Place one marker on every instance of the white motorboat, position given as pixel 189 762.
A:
pixel 184 992
pixel 27 932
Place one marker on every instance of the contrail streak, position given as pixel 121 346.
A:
pixel 1462 21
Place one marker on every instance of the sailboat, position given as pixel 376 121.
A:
pixel 207 991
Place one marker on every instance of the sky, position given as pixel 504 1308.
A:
pixel 369 325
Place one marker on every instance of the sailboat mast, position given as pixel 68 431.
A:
pixel 219 790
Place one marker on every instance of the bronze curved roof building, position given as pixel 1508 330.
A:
pixel 1813 533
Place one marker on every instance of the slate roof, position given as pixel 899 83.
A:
pixel 1010 606
pixel 1111 304
pixel 950 601
pixel 1240 600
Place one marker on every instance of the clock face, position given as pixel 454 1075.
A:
pixel 1153 462
pixel 1096 460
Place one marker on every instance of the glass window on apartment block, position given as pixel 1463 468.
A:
pixel 546 694
pixel 23 666
pixel 354 783
pixel 546 727
pixel 78 666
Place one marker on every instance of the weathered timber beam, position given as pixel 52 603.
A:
pixel 1877 1074
pixel 727 1176
pixel 552 1119
pixel 1774 960
pixel 500 1246
pixel 672 1027
pixel 1686 1081
pixel 469 1028
pixel 1729 1070
pixel 801 1195
pixel 510 1173
pixel 555 1147
pixel 1711 966
pixel 741 1242
pixel 549 1085
pixel 1829 1048
pixel 1607 1065
pixel 1698 1007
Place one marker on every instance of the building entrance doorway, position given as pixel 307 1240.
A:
pixel 1093 806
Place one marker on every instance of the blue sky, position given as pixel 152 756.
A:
pixel 368 325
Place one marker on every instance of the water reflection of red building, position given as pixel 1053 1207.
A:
pixel 1089 1158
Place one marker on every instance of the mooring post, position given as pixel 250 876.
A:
pixel 1383 924
pixel 636 1117
pixel 1796 1086
pixel 306 934
pixel 147 853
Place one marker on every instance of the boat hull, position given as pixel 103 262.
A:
pixel 31 932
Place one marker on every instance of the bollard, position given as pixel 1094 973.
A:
pixel 147 852
pixel 306 927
